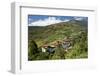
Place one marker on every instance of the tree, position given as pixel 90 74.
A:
pixel 59 53
pixel 80 48
pixel 42 56
pixel 33 49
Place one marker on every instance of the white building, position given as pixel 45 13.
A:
pixel 43 49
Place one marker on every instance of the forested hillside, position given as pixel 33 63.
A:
pixel 65 40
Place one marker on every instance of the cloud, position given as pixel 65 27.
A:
pixel 78 18
pixel 47 21
pixel 29 20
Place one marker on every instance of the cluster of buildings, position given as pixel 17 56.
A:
pixel 65 44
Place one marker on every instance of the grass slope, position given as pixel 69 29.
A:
pixel 77 30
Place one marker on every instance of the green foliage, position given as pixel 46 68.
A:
pixel 42 56
pixel 79 49
pixel 59 53
pixel 39 36
pixel 33 49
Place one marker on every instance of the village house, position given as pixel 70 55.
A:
pixel 44 48
pixel 65 43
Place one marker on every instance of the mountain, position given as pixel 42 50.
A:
pixel 46 34
pixel 83 22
